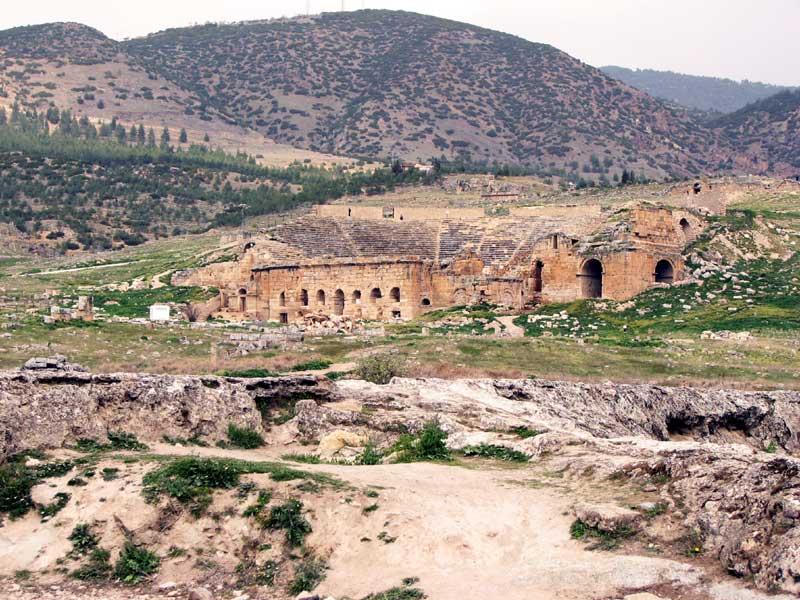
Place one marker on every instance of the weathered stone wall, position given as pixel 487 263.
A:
pixel 366 289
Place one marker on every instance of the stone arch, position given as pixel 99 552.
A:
pixel 394 294
pixel 282 299
pixel 338 302
pixel 592 279
pixel 665 272
pixel 357 297
pixel 460 297
pixel 686 226
pixel 538 271
pixel 304 297
pixel 375 295
pixel 426 302
pixel 321 297
pixel 242 300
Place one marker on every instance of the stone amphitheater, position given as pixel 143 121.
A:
pixel 387 263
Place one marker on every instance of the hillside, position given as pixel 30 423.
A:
pixel 376 83
pixel 766 135
pixel 73 67
pixel 712 94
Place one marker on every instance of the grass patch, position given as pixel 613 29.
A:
pixel 83 540
pixel 192 480
pixel 496 452
pixel 117 440
pixel 603 540
pixel 243 437
pixel 135 563
pixel 526 432
pixel 289 517
pixel 308 459
pixel 16 481
pixel 256 509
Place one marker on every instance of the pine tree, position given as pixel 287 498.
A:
pixel 206 138
pixel 132 134
pixel 121 136
pixel 165 136
pixel 140 135
pixel 184 136
pixel 151 138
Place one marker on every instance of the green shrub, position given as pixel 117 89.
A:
pixel 190 481
pixel 370 455
pixel 263 499
pixel 250 374
pixel 308 575
pixel 526 432
pixel 60 501
pixel 125 441
pixel 242 437
pixel 496 452
pixel 96 568
pixel 135 563
pixel 429 444
pixel 289 517
pixel 398 593
pixel 380 368
pixel 83 540
pixel 15 490
pixel 110 473
pixel 312 365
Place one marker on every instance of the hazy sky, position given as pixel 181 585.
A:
pixel 741 39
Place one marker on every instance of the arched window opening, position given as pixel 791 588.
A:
pixel 395 294
pixel 321 297
pixel 338 302
pixel 686 227
pixel 282 299
pixel 426 302
pixel 357 297
pixel 304 297
pixel 665 272
pixel 537 276
pixel 375 295
pixel 592 279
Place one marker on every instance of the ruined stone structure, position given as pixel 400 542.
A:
pixel 392 263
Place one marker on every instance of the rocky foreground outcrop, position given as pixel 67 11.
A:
pixel 725 460
pixel 50 403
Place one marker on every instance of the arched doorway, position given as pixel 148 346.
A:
pixel 395 294
pixel 592 279
pixel 282 299
pixel 537 276
pixel 665 272
pixel 375 295
pixel 338 302
pixel 686 227
pixel 321 297
pixel 242 300
pixel 304 297
pixel 357 297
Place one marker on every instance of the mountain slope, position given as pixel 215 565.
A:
pixel 692 91
pixel 381 83
pixel 69 66
pixel 765 135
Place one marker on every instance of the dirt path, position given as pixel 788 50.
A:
pixel 78 269
pixel 512 330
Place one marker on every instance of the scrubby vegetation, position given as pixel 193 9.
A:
pixel 428 444
pixel 289 517
pixel 243 437
pixel 16 481
pixel 496 452
pixel 135 563
pixel 603 540
pixel 380 368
